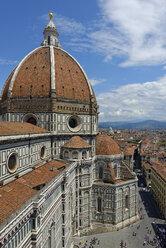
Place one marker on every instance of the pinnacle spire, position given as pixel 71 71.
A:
pixel 51 34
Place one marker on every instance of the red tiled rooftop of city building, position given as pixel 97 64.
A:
pixel 161 154
pixel 160 169
pixel 129 150
pixel 145 153
pixel 146 165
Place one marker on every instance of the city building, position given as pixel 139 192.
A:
pixel 158 184
pixel 58 176
pixel 146 171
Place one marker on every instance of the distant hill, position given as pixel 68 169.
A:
pixel 149 124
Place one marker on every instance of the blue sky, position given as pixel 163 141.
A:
pixel 120 44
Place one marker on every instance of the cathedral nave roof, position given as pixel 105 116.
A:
pixel 12 128
pixel 15 194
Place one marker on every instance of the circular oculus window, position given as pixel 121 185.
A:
pixel 43 152
pixel 12 162
pixel 74 123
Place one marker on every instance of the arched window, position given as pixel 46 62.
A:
pixel 126 201
pixel 99 204
pixel 32 120
pixel 86 198
pixel 43 152
pixel 66 154
pixel 48 40
pixel 75 155
pixel 100 173
pixel 84 155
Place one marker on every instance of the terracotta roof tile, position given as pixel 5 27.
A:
pixel 146 141
pixel 70 80
pixel 34 77
pixel 18 192
pixel 120 180
pixel 76 142
pixel 9 128
pixel 105 145
pixel 103 182
pixel 128 169
pixel 160 169
pixel 161 154
pixel 99 181
pixel 13 199
pixel 146 165
pixel 129 150
pixel 42 175
pixel 145 153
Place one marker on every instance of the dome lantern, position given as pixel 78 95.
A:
pixel 51 34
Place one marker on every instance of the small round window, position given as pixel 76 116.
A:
pixel 12 162
pixel 43 152
pixel 74 123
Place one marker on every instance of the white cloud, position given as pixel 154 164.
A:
pixel 69 26
pixel 95 81
pixel 7 62
pixel 138 28
pixel 66 25
pixel 134 30
pixel 134 101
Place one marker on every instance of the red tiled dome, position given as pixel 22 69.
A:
pixel 105 145
pixel 76 142
pixel 37 74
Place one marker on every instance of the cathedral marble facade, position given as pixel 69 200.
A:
pixel 58 176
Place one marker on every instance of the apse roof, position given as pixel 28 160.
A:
pixel 105 145
pixel 76 142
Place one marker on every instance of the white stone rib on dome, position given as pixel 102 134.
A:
pixel 17 70
pixel 3 88
pixel 52 66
